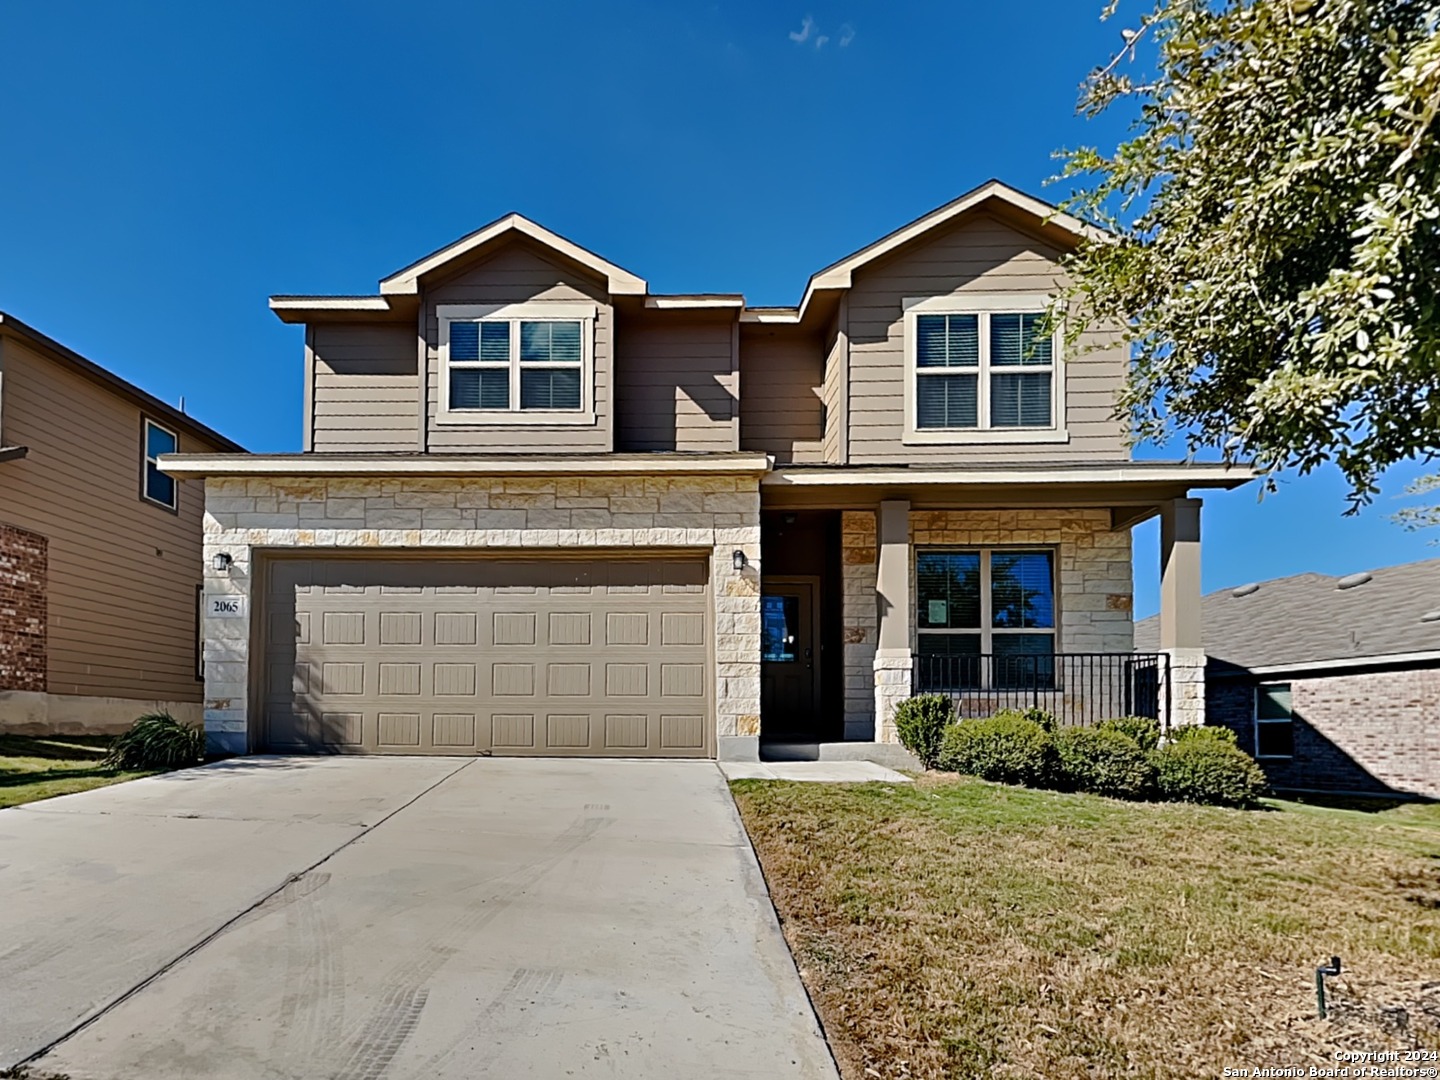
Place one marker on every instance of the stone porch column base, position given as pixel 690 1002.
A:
pixel 1185 689
pixel 893 668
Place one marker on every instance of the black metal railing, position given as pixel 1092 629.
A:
pixel 1078 688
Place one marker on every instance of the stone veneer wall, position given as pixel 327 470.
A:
pixel 23 609
pixel 1368 733
pixel 603 514
pixel 860 620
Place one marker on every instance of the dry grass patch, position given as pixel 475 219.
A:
pixel 958 928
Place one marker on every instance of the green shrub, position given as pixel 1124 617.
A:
pixel 1103 761
pixel 1204 734
pixel 1145 731
pixel 1203 765
pixel 920 722
pixel 1034 714
pixel 156 741
pixel 1006 748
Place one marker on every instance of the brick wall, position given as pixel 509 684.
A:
pixel 23 563
pixel 1373 732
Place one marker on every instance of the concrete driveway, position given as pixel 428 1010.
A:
pixel 405 917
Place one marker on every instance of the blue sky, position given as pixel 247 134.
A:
pixel 169 166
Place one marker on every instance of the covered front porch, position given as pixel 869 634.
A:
pixel 1000 587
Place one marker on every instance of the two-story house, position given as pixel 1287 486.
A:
pixel 543 510
pixel 99 549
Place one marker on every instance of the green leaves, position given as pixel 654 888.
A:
pixel 1276 214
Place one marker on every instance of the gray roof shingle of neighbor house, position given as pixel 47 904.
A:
pixel 1311 619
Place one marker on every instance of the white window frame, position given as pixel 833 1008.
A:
pixel 981 304
pixel 146 461
pixel 986 631
pixel 1255 719
pixel 514 314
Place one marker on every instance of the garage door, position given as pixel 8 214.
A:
pixel 541 656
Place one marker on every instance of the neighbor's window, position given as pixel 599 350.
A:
pixel 1274 721
pixel 983 371
pixel 989 613
pixel 516 365
pixel 155 485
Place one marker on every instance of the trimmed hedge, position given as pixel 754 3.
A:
pixel 1006 748
pixel 920 723
pixel 1103 761
pixel 1203 765
pixel 1036 715
pixel 1145 731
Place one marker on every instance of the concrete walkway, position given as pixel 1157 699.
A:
pixel 820 772
pixel 397 918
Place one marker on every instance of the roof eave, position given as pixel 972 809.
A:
pixel 190 466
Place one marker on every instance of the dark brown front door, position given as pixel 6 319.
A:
pixel 789 658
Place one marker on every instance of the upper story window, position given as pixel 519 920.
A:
pixel 980 369
pixel 155 485
pixel 520 363
pixel 1274 721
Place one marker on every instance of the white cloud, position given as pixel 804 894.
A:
pixel 803 34
pixel 847 34
pixel 820 41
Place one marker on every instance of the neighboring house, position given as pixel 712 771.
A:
pixel 543 510
pixel 1332 683
pixel 99 550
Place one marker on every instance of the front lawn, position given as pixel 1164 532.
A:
pixel 958 928
pixel 41 767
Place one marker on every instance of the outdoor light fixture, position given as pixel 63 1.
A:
pixel 221 562
pixel 737 559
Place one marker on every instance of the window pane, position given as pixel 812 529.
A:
pixel 1022 590
pixel 557 389
pixel 1273 702
pixel 494 341
pixel 464 341
pixel 947 590
pixel 479 388
pixel 947 401
pixel 550 341
pixel 1014 339
pixel 158 441
pixel 949 644
pixel 1024 661
pixel 779 617
pixel 1275 739
pixel 1020 400
pixel 947 340
pixel 158 486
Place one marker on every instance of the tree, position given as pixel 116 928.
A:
pixel 1275 211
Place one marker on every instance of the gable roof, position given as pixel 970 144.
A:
pixel 148 403
pixel 395 290
pixel 1316 620
pixel 406 281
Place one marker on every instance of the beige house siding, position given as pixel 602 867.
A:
pixel 980 255
pixel 781 411
pixel 366 389
pixel 519 273
pixel 674 388
pixel 122 572
pixel 835 392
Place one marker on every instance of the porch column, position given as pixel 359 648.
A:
pixel 1181 629
pixel 892 656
